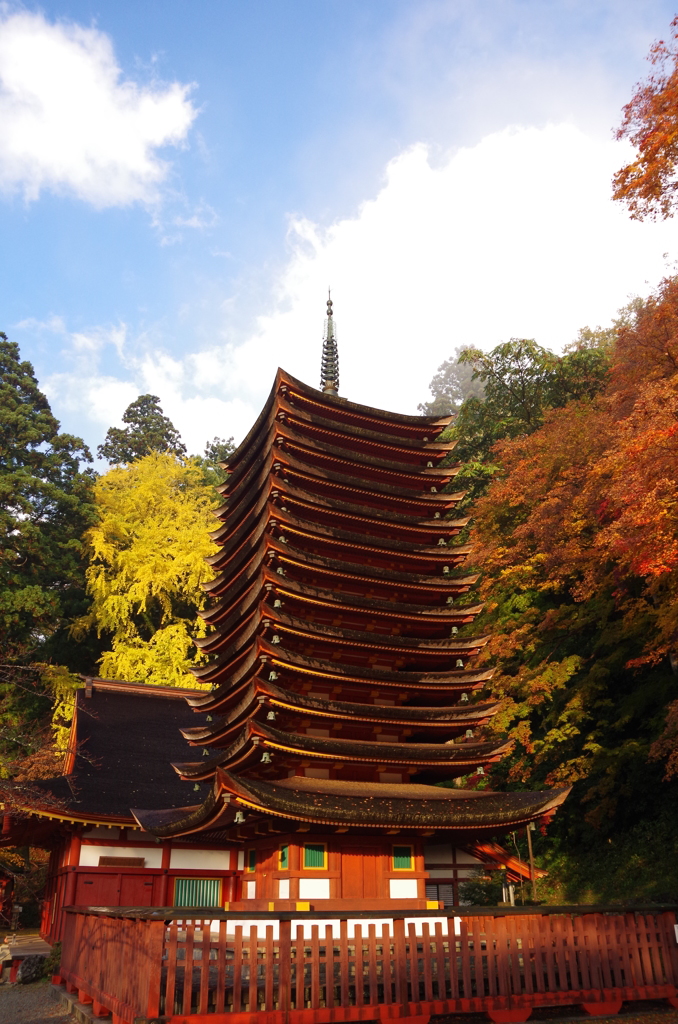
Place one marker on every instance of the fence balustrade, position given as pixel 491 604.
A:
pixel 149 965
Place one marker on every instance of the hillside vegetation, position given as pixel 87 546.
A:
pixel 574 500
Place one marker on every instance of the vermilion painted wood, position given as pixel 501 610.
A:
pixel 505 965
pixel 400 961
pixel 465 943
pixel 439 962
pixel 343 964
pixel 312 964
pixel 253 1000
pixel 498 968
pixel 170 984
pixel 237 970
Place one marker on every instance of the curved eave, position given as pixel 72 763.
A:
pixel 290 391
pixel 262 694
pixel 267 515
pixel 462 811
pixel 67 816
pixel 264 656
pixel 266 585
pixel 256 737
pixel 320 428
pixel 335 568
pixel 459 812
pixel 358 464
pixel 281 622
pixel 331 672
pixel 363 491
pixel 359 461
pixel 366 475
pixel 343 410
pixel 270 487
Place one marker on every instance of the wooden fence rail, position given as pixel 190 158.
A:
pixel 144 967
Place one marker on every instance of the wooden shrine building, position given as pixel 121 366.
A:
pixel 333 765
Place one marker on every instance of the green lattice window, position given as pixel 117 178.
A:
pixel 284 858
pixel 402 858
pixel 251 860
pixel 315 855
pixel 197 892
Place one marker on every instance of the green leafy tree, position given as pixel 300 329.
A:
pixel 216 451
pixel 520 380
pixel 147 430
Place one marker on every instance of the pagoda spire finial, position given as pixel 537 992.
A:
pixel 329 364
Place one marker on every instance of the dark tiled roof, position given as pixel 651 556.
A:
pixel 126 741
pixel 407 805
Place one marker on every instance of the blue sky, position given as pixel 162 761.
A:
pixel 180 182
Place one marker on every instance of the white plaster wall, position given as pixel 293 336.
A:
pixel 314 888
pixel 89 855
pixel 200 860
pixel 402 888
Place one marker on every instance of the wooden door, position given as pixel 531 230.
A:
pixel 360 873
pixel 136 891
pixel 97 890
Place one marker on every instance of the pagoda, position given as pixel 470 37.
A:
pixel 344 687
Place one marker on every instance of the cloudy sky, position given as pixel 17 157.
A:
pixel 180 183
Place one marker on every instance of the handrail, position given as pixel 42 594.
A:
pixel 216 914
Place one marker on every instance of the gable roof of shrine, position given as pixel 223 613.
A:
pixel 123 738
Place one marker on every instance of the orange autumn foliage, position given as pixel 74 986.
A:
pixel 648 184
pixel 579 547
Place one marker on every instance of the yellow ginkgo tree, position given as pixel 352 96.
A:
pixel 147 563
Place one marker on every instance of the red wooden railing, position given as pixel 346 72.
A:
pixel 152 965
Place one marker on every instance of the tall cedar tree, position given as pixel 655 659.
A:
pixel 147 430
pixel 649 184
pixel 46 504
pixel 578 543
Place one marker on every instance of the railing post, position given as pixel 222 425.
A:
pixel 284 957
pixel 155 943
pixel 67 945
pixel 399 948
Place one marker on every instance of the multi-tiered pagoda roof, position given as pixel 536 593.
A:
pixel 341 661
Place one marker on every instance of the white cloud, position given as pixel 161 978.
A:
pixel 71 124
pixel 514 237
